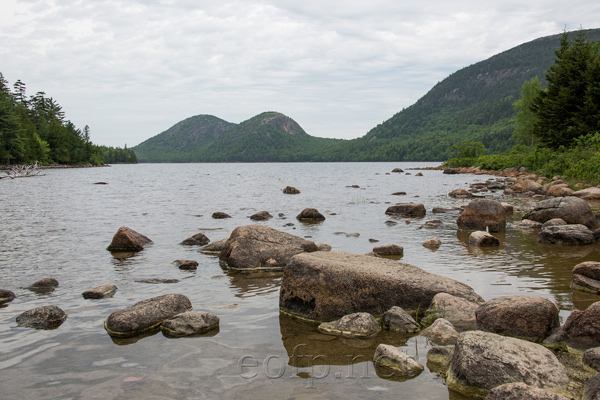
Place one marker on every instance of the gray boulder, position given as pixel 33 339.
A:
pixel 356 325
pixel 189 323
pixel 566 234
pixel 483 214
pixel 261 248
pixel 390 357
pixel 458 311
pixel 441 332
pixel 483 239
pixel 521 391
pixel 581 330
pixel 46 317
pixel 103 291
pixel 407 210
pixel 6 296
pixel 526 317
pixel 571 209
pixel 146 315
pixel 483 361
pixel 591 390
pixel 586 277
pixel 591 358
pixel 126 239
pixel 398 320
pixel 554 222
pixel 325 286
pixel 199 239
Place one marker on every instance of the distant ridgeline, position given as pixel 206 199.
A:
pixel 474 103
pixel 33 129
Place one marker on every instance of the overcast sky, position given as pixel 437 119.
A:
pixel 131 69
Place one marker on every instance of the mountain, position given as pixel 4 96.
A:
pixel 473 103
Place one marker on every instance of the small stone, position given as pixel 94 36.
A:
pixel 6 296
pixel 441 332
pixel 190 323
pixel 389 250
pixel 126 239
pixel 261 216
pixel 483 239
pixel 390 357
pixel 214 247
pixel 290 190
pixel 103 291
pixel 199 239
pixel 356 325
pixel 186 264
pixel 396 319
pixel 220 215
pixel 432 244
pixel 407 210
pixel 45 285
pixel 310 214
pixel 46 317
pixel 591 358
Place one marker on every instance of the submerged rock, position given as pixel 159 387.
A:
pixel 482 214
pixel 146 315
pixel 45 285
pixel 258 247
pixel 325 286
pixel 310 214
pixel 6 296
pixel 126 239
pixel 483 361
pixel 391 357
pixel 103 291
pixel 190 323
pixel 186 264
pixel 439 358
pixel 526 317
pixel 199 239
pixel 483 239
pixel 407 210
pixel 46 317
pixel 566 234
pixel 356 325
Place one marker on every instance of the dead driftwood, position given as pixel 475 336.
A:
pixel 22 171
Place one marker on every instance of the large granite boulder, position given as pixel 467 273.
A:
pixel 571 209
pixel 390 357
pixel 458 311
pixel 6 296
pixel 581 330
pixel 407 210
pixel 355 325
pixel 189 323
pixel 586 277
pixel 521 391
pixel 103 291
pixel 46 317
pixel 126 239
pixel 483 214
pixel 146 315
pixel 325 286
pixel 566 234
pixel 526 317
pixel 261 248
pixel 483 361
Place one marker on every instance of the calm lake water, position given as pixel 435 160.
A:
pixel 60 224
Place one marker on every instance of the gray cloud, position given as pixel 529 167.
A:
pixel 131 69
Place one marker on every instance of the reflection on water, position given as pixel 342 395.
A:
pixel 168 203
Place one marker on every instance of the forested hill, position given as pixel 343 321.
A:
pixel 474 103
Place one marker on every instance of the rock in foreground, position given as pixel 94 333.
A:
pixel 261 248
pixel 326 286
pixel 190 323
pixel 146 315
pixel 103 291
pixel 521 391
pixel 483 361
pixel 46 317
pixel 126 239
pixel 581 329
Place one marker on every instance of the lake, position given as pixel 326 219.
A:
pixel 59 225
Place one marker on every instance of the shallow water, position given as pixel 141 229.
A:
pixel 59 225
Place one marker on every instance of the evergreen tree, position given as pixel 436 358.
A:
pixel 526 118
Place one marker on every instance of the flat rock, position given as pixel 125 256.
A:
pixel 398 320
pixel 146 315
pixel 46 317
pixel 483 361
pixel 483 239
pixel 391 357
pixel 571 209
pixel 261 216
pixel 186 264
pixel 483 214
pixel 6 296
pixel 189 323
pixel 521 391
pixel 441 332
pixel 325 286
pixel 156 281
pixel 355 325
pixel 310 214
pixel 389 250
pixel 258 247
pixel 126 239
pixel 199 239
pixel 526 317
pixel 407 210
pixel 103 291
pixel 458 311
pixel 576 234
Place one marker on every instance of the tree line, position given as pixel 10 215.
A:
pixel 34 129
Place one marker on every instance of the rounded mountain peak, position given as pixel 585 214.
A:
pixel 280 121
